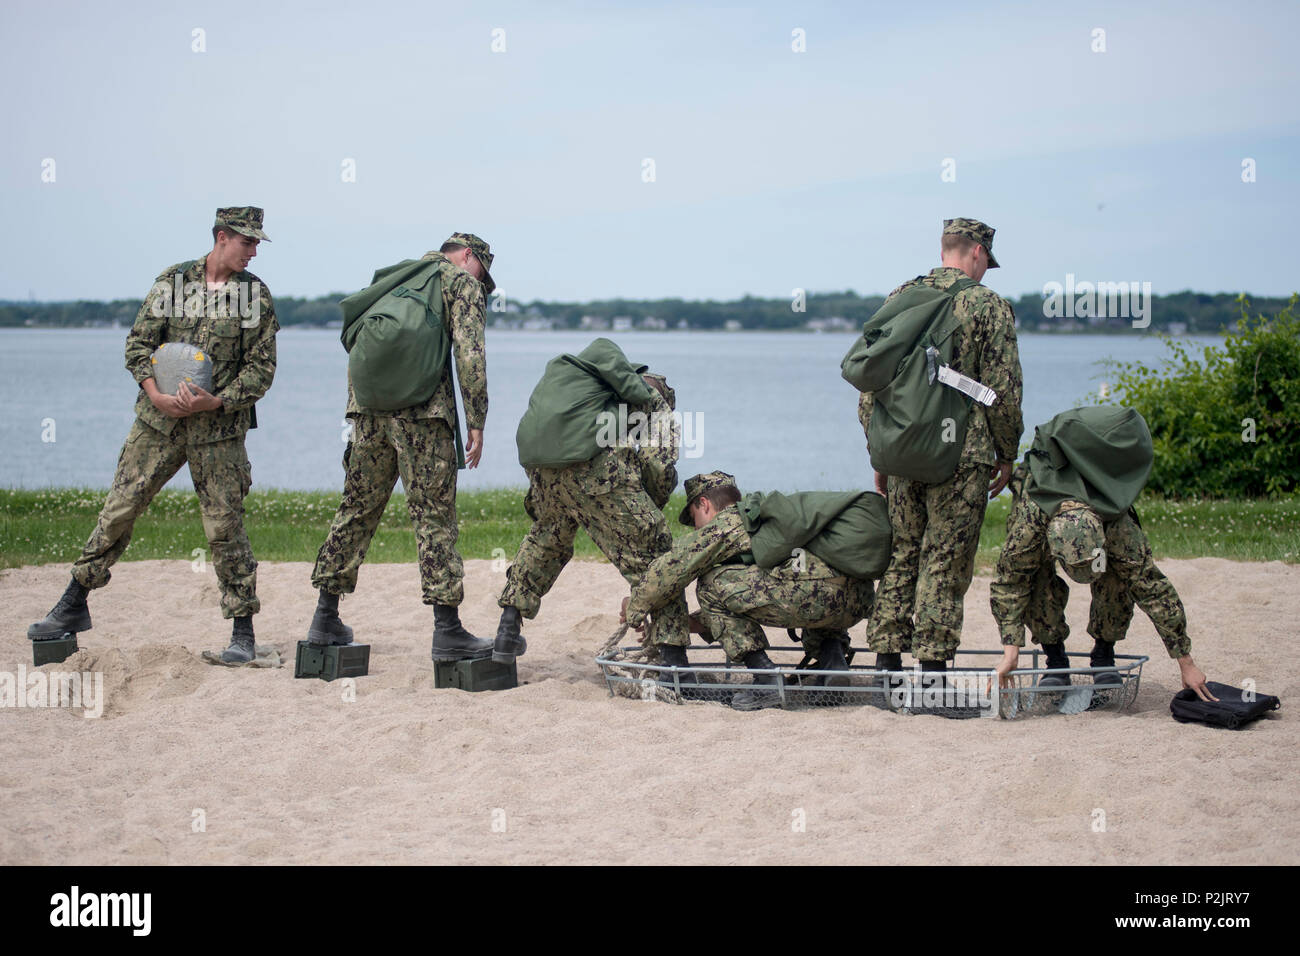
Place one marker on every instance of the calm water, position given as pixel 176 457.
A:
pixel 775 411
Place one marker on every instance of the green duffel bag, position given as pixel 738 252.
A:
pixel 918 425
pixel 394 335
pixel 849 530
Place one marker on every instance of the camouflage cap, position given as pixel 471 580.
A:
pixel 1075 537
pixel 662 386
pixel 698 485
pixel 973 229
pixel 482 252
pixel 245 220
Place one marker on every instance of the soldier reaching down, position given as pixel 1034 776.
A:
pixel 1074 496
pixel 582 473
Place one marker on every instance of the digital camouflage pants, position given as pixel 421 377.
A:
pixel 423 453
pixel 605 497
pixel 737 601
pixel 936 532
pixel 221 475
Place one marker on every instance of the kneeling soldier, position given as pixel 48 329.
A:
pixel 1074 496
pixel 738 597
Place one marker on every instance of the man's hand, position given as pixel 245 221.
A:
pixel 191 399
pixel 1010 661
pixel 1194 677
pixel 1001 475
pixel 166 404
pixel 622 616
pixel 475 449
pixel 882 484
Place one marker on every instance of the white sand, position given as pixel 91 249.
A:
pixel 286 771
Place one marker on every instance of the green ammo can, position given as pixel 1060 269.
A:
pixel 331 661
pixel 481 674
pixel 55 651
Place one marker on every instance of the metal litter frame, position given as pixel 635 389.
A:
pixel 965 692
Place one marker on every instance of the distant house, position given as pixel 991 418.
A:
pixel 622 323
pixel 538 324
pixel 650 322
pixel 733 325
pixel 594 323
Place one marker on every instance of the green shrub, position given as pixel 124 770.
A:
pixel 1204 409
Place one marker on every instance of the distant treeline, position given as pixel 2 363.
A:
pixel 1180 312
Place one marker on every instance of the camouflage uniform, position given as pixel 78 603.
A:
pixel 737 600
pixel 417 444
pixel 616 497
pixel 936 527
pixel 242 350
pixel 1028 591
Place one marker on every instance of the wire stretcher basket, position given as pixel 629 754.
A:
pixel 966 690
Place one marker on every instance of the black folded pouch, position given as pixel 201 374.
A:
pixel 1231 710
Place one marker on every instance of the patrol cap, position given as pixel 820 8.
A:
pixel 698 485
pixel 245 220
pixel 482 252
pixel 1074 537
pixel 662 386
pixel 973 229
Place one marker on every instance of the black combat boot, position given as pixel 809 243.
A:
pixel 451 642
pixel 758 697
pixel 325 626
pixel 673 655
pixel 928 679
pixel 69 616
pixel 889 661
pixel 886 661
pixel 1056 659
pixel 241 649
pixel 509 643
pixel 1103 655
pixel 830 657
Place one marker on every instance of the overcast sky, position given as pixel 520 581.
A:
pixel 773 169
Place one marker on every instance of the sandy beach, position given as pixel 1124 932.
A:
pixel 193 764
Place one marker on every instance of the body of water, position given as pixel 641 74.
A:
pixel 770 408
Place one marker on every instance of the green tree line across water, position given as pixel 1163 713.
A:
pixel 1192 312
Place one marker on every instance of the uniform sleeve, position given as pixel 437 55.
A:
pixel 864 411
pixel 1000 371
pixel 1023 552
pixel 467 315
pixel 658 452
pixel 257 370
pixel 690 556
pixel 1129 555
pixel 147 330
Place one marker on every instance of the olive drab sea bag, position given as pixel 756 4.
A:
pixel 848 530
pixel 394 335
pixel 918 424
